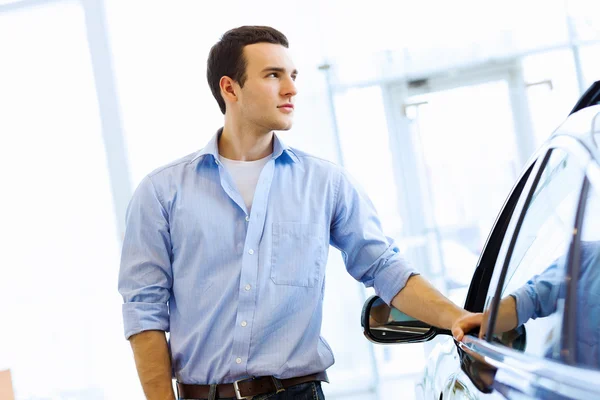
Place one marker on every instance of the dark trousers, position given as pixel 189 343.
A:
pixel 303 391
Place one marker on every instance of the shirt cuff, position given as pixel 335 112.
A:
pixel 139 317
pixel 391 280
pixel 525 306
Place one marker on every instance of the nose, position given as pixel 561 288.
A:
pixel 288 89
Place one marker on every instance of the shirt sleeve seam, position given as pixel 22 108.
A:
pixel 157 195
pixel 336 197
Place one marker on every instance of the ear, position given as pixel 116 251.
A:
pixel 228 89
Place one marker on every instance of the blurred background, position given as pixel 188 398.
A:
pixel 433 106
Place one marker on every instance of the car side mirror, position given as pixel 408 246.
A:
pixel 384 324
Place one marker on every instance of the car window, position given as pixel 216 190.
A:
pixel 485 279
pixel 505 240
pixel 587 293
pixel 529 316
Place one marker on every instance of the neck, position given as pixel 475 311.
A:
pixel 244 143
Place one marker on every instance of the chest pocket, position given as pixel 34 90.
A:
pixel 298 254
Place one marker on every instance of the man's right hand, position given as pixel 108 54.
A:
pixel 506 319
pixel 466 323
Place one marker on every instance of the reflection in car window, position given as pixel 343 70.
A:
pixel 587 327
pixel 552 207
pixel 532 299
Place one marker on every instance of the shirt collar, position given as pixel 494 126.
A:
pixel 279 148
pixel 212 147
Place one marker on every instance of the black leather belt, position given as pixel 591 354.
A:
pixel 243 388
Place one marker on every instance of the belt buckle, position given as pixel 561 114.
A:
pixel 238 394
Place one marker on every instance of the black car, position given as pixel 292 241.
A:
pixel 537 280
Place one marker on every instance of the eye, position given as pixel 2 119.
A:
pixel 294 77
pixel 273 74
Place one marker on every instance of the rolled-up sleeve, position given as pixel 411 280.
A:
pixel 145 276
pixel 538 297
pixel 370 256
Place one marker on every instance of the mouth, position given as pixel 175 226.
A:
pixel 287 106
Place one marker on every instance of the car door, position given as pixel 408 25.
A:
pixel 527 300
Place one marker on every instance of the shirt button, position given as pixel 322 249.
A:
pixel 244 323
pixel 247 218
pixel 250 251
pixel 247 287
pixel 238 360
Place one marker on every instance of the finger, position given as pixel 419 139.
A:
pixel 482 331
pixel 457 333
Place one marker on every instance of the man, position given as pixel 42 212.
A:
pixel 226 248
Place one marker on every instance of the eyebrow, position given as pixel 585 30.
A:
pixel 278 69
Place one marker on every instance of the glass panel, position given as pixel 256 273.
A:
pixel 167 107
pixel 590 63
pixel 530 313
pixel 504 230
pixel 552 90
pixel 354 367
pixel 365 144
pixel 60 320
pixel 361 140
pixel 365 147
pixel 587 331
pixel 394 45
pixel 584 19
pixel 463 136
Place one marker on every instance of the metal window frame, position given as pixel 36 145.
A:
pixel 569 332
pixel 106 93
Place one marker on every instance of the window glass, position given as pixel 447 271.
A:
pixel 506 234
pixel 532 297
pixel 583 17
pixel 590 63
pixel 371 164
pixel 61 330
pixel 552 90
pixel 587 331
pixel 460 203
pixel 503 226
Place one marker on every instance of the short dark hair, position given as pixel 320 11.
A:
pixel 226 57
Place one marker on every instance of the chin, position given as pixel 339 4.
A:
pixel 282 126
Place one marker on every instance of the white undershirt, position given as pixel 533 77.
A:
pixel 245 174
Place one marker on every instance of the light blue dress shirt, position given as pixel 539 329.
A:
pixel 242 294
pixel 539 298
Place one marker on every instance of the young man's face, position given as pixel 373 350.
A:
pixel 267 99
